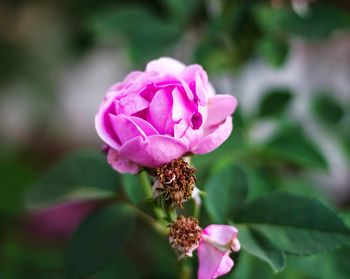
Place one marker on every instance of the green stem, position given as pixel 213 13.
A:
pixel 154 223
pixel 196 210
pixel 185 269
pixel 146 185
pixel 171 214
pixel 147 189
pixel 169 210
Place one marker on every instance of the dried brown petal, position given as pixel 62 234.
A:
pixel 176 181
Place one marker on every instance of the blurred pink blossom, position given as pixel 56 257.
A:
pixel 162 114
pixel 59 221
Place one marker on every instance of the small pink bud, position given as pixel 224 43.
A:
pixel 217 241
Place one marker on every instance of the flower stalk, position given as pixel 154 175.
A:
pixel 147 189
pixel 186 270
pixel 159 227
pixel 146 185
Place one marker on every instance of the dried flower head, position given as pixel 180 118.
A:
pixel 184 236
pixel 175 181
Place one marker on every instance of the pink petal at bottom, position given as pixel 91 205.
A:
pixel 225 266
pixel 154 151
pixel 212 262
pixel 120 163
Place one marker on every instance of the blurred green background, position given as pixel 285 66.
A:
pixel 287 62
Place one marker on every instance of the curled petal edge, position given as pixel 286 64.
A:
pixel 214 139
pixel 153 151
pixel 120 163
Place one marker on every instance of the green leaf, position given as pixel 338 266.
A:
pixel 133 189
pixel 250 267
pixel 334 264
pixel 81 175
pixel 122 266
pixel 346 217
pixel 261 181
pixel 295 224
pixel 319 23
pixel 275 102
pixel 14 179
pixel 292 145
pixel 327 109
pixel 211 56
pixel 98 239
pixel 19 256
pixel 258 245
pixel 274 50
pixel 181 10
pixel 303 186
pixel 226 190
pixel 146 35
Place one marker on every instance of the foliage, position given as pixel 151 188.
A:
pixel 288 227
pixel 91 247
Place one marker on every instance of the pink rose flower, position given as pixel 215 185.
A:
pixel 161 114
pixel 216 243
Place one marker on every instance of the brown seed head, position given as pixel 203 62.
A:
pixel 176 181
pixel 184 235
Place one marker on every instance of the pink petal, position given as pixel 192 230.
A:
pixel 201 87
pixel 60 220
pixel 165 65
pixel 160 110
pixel 174 81
pixel 185 110
pixel 103 124
pixel 192 137
pixel 120 163
pixel 181 106
pixel 180 128
pixel 142 82
pixel 197 80
pixel 213 138
pixel 181 112
pixel 210 90
pixel 115 91
pixel 219 107
pixel 145 126
pixel 212 262
pixel 132 77
pixel 190 94
pixel 221 234
pixel 129 79
pixel 165 81
pixel 115 87
pixel 125 128
pixel 154 150
pixel 225 266
pixel 133 103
